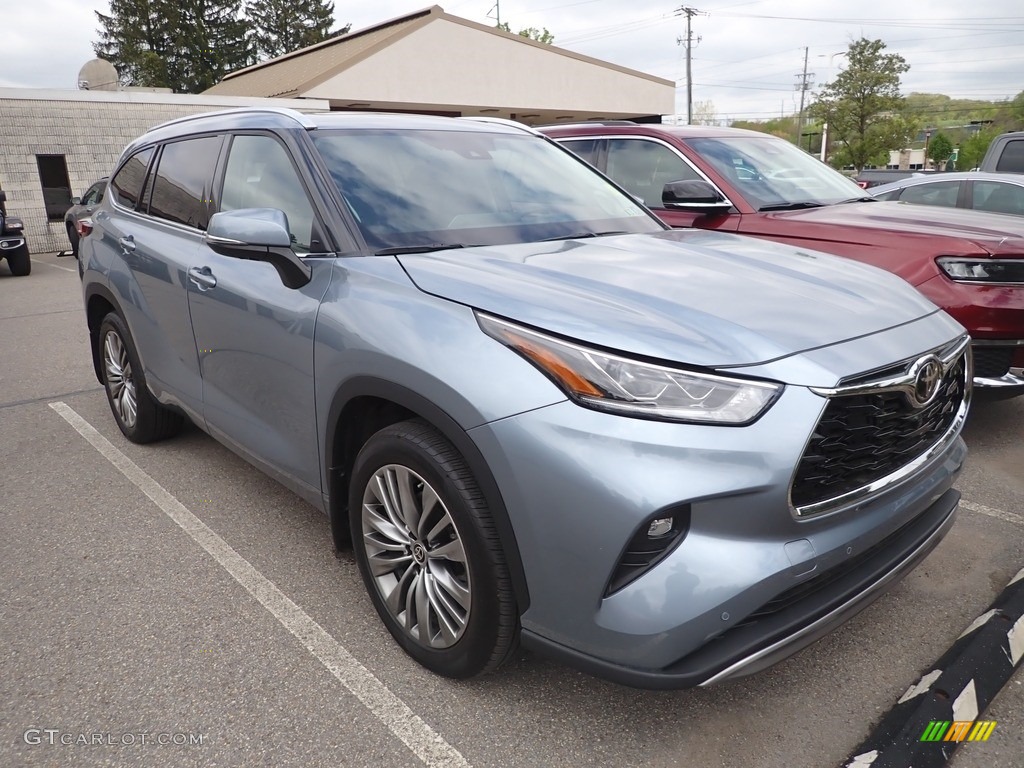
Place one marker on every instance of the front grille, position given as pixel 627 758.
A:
pixel 862 438
pixel 992 362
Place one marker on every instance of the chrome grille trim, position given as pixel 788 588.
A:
pixel 949 355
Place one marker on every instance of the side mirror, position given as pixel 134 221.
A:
pixel 259 234
pixel 694 195
pixel 76 201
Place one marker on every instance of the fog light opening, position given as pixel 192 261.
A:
pixel 661 527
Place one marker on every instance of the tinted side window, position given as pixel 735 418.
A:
pixel 1012 158
pixel 998 197
pixel 942 193
pixel 585 149
pixel 259 174
pixel 644 168
pixel 184 178
pixel 891 195
pixel 127 182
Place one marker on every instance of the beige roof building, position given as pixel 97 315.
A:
pixel 430 61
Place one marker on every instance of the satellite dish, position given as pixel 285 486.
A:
pixel 98 75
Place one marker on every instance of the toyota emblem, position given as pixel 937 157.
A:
pixel 927 375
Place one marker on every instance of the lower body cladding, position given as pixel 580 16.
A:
pixel 742 579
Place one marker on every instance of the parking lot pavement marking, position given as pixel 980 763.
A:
pixel 56 266
pixel 417 735
pixel 961 685
pixel 999 514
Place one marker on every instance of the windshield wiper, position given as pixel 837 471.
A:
pixel 428 248
pixel 789 206
pixel 865 199
pixel 581 236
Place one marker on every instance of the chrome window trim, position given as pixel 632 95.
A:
pixel 655 140
pixel 948 355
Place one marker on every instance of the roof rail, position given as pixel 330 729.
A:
pixel 500 121
pixel 295 115
pixel 596 122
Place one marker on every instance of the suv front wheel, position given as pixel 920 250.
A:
pixel 429 553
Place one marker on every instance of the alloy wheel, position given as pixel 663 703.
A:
pixel 120 382
pixel 416 556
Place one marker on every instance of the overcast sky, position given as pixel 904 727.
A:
pixel 746 62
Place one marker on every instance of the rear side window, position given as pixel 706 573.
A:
pixel 1012 158
pixel 184 178
pixel 126 185
pixel 943 193
pixel 585 149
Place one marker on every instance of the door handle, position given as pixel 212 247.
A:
pixel 202 278
pixel 127 243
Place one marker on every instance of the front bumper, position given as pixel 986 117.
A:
pixel 580 484
pixel 759 644
pixel 8 243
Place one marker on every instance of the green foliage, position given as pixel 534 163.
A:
pixel 186 45
pixel 783 127
pixel 283 26
pixel 974 147
pixel 863 105
pixel 939 149
pixel 540 35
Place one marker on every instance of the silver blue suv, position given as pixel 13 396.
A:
pixel 668 458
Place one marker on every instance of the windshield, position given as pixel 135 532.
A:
pixel 771 172
pixel 431 189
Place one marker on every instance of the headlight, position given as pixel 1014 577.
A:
pixel 983 270
pixel 607 382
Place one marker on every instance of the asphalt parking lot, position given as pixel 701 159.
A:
pixel 172 593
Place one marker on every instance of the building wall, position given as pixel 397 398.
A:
pixel 446 63
pixel 90 129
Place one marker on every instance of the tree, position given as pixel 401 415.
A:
pixel 974 147
pixel 283 26
pixel 136 37
pixel 939 149
pixel 532 33
pixel 862 106
pixel 704 112
pixel 185 45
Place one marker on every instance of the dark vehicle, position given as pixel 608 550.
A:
pixel 970 263
pixel 869 179
pixel 79 215
pixel 975 190
pixel 13 246
pixel 1005 154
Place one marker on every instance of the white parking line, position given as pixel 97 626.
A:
pixel 999 514
pixel 56 266
pixel 419 737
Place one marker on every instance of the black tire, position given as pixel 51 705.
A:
pixel 124 381
pixel 20 262
pixel 489 626
pixel 72 238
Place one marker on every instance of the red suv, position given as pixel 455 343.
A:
pixel 969 263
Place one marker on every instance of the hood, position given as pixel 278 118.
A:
pixel 689 296
pixel 867 223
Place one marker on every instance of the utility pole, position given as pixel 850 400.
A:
pixel 803 86
pixel 689 13
pixel 497 8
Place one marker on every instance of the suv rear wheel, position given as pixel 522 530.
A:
pixel 429 553
pixel 137 413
